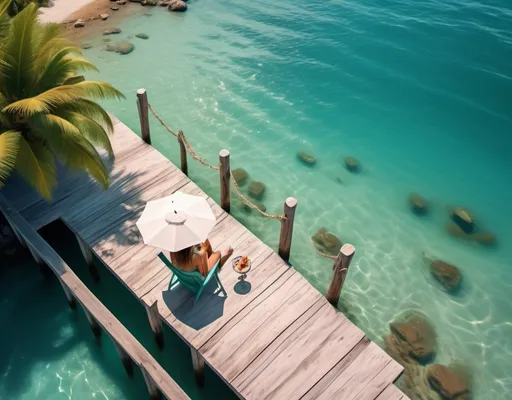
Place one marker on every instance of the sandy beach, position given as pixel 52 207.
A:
pixel 62 10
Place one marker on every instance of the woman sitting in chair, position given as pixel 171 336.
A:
pixel 199 258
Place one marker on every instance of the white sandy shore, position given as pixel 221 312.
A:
pixel 61 10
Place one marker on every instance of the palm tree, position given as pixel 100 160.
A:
pixel 47 109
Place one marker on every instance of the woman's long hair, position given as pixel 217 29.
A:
pixel 184 257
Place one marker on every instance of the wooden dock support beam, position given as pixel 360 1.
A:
pixel 69 295
pixel 225 180
pixel 198 364
pixel 340 268
pixel 154 391
pixel 125 358
pixel 285 237
pixel 142 105
pixel 96 330
pixel 183 153
pixel 18 236
pixel 89 259
pixel 156 324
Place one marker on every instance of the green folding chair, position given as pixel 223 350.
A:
pixel 193 280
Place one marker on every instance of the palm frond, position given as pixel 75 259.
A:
pixel 4 7
pixel 93 111
pixel 73 149
pixel 90 129
pixel 36 164
pixel 72 80
pixel 63 95
pixel 9 146
pixel 19 51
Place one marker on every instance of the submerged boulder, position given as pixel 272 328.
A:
pixel 121 2
pixel 446 274
pixel 448 382
pixel 142 36
pixel 484 238
pixel 414 338
pixel 326 242
pixel 463 218
pixel 306 158
pixel 240 176
pixel 112 31
pixel 104 17
pixel 352 164
pixel 177 6
pixel 86 46
pixel 124 47
pixel 418 204
pixel 79 23
pixel 149 2
pixel 114 8
pixel 256 190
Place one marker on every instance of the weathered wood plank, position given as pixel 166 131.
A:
pixel 390 373
pixel 392 393
pixel 305 358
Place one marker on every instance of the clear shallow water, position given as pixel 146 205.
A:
pixel 419 92
pixel 48 352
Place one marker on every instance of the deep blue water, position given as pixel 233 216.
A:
pixel 418 91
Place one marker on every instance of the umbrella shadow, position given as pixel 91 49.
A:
pixel 206 310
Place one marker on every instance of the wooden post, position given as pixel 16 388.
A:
pixel 198 364
pixel 18 236
pixel 96 330
pixel 69 295
pixel 183 153
pixel 142 105
pixel 125 358
pixel 35 255
pixel 154 391
pixel 225 180
pixel 285 237
pixel 340 268
pixel 89 259
pixel 156 324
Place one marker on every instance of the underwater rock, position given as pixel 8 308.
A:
pixel 104 17
pixel 121 2
pixel 484 238
pixel 114 8
pixel 446 274
pixel 124 47
pixel 326 242
pixel 112 31
pixel 463 218
pixel 306 158
pixel 149 2
pixel 256 190
pixel 260 206
pixel 418 204
pixel 240 176
pixel 86 46
pixel 352 164
pixel 79 23
pixel 415 338
pixel 142 36
pixel 164 3
pixel 447 382
pixel 177 5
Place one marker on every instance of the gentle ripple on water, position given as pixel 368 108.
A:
pixel 418 91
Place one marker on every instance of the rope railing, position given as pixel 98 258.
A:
pixel 197 157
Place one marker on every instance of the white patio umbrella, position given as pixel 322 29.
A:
pixel 176 221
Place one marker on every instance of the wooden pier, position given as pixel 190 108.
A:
pixel 279 340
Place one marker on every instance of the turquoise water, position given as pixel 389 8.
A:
pixel 48 351
pixel 419 92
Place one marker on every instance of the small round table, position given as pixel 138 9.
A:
pixel 242 273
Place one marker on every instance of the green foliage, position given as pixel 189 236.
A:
pixel 17 6
pixel 47 108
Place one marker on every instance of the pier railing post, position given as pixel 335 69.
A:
pixel 225 180
pixel 198 364
pixel 142 105
pixel 183 154
pixel 340 268
pixel 89 259
pixel 155 323
pixel 285 237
